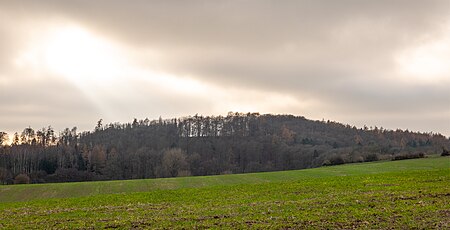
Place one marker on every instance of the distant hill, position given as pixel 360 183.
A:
pixel 203 145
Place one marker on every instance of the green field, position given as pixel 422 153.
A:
pixel 394 194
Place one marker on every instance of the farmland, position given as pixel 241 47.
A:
pixel 391 194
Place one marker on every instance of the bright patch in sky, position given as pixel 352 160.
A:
pixel 77 54
pixel 429 62
pixel 73 53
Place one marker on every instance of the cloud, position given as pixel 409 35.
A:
pixel 343 60
pixel 39 103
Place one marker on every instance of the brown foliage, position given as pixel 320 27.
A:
pixel 22 179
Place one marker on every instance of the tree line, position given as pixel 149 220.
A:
pixel 201 145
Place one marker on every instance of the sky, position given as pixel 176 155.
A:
pixel 377 63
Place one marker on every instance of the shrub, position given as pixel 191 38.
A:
pixel 372 157
pixel 337 160
pixel 22 179
pixel 38 177
pixel 334 160
pixel 358 159
pixel 184 173
pixel 70 175
pixel 254 167
pixel 445 152
pixel 226 172
pixel 326 163
pixel 408 156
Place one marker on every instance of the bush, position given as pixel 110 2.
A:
pixel 334 160
pixel 184 173
pixel 372 157
pixel 226 172
pixel 445 152
pixel 358 159
pixel 337 160
pixel 38 177
pixel 408 156
pixel 22 179
pixel 70 175
pixel 326 163
pixel 253 167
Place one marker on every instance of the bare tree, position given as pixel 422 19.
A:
pixel 173 162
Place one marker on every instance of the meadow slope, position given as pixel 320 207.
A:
pixel 395 194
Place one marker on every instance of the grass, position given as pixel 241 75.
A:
pixel 395 194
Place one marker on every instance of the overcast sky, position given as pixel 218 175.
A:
pixel 374 63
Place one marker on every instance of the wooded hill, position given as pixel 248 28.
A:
pixel 202 145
